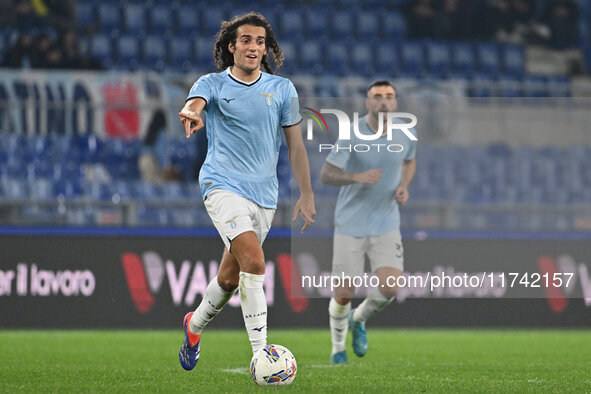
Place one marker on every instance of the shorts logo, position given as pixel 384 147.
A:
pixel 232 222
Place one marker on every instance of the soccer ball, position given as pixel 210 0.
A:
pixel 274 365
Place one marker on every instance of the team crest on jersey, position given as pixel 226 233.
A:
pixel 268 96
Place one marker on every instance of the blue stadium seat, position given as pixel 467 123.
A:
pixel 128 51
pixel 362 59
pixel 154 49
pixel 134 17
pixel 291 23
pixel 534 86
pixel 210 20
pixel 464 62
pixel 181 53
pixel 368 26
pixel 508 86
pixel 109 16
pixel 387 60
pixel 438 58
pixel 481 85
pixel 413 58
pixel 161 18
pixel 85 13
pixel 310 57
pixel 393 26
pixel 316 22
pixel 341 25
pixel 203 52
pixel 101 48
pixel 187 20
pixel 337 58
pixel 488 58
pixel 513 60
pixel 42 189
pixel 558 86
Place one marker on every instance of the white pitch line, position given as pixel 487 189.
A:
pixel 242 371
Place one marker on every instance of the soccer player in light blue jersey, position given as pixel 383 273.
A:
pixel 247 108
pixel 367 220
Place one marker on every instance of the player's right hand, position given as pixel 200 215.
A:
pixel 369 177
pixel 191 122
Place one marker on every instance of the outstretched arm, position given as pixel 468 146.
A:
pixel 190 115
pixel 335 176
pixel 298 158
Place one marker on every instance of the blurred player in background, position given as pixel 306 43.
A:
pixel 246 107
pixel 367 220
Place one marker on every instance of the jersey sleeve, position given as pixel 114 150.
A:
pixel 202 88
pixel 412 149
pixel 290 108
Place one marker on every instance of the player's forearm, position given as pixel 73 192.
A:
pixel 408 172
pixel 298 158
pixel 195 106
pixel 334 176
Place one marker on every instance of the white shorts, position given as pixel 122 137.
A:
pixel 233 215
pixel 348 256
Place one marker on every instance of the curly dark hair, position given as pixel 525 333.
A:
pixel 224 58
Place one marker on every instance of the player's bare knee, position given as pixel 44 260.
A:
pixel 228 283
pixel 252 264
pixel 342 301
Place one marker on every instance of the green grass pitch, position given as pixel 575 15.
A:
pixel 397 361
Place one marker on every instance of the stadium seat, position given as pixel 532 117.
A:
pixel 128 52
pixel 160 18
pixel 109 16
pixel 488 58
pixel 134 17
pixel 316 22
pixel 181 53
pixel 203 52
pixel 387 60
pixel 368 26
pixel 438 58
pixel 508 86
pixel 187 20
pixel 310 57
pixel 101 48
pixel 336 58
pixel 291 23
pixel 85 14
pixel 154 50
pixel 362 59
pixel 464 62
pixel 513 60
pixel 534 86
pixel 558 86
pixel 393 26
pixel 210 20
pixel 413 59
pixel 481 85
pixel 341 25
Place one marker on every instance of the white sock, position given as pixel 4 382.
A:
pixel 374 303
pixel 213 301
pixel 254 309
pixel 339 324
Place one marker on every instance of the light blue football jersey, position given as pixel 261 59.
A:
pixel 244 127
pixel 370 210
